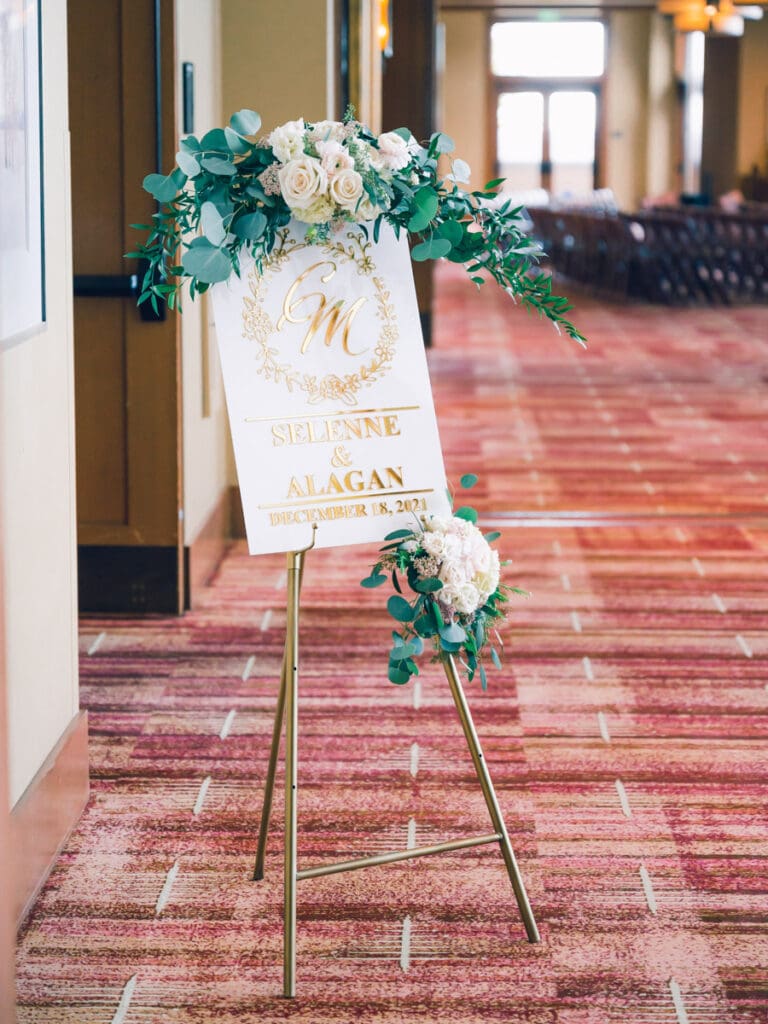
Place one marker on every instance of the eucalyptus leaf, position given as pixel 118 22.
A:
pixel 470 514
pixel 469 480
pixel 451 230
pixel 188 163
pixel 399 609
pixel 432 249
pixel 492 536
pixel 460 171
pixel 398 534
pixel 206 262
pixel 212 224
pixel 429 585
pixel 441 143
pixel 214 141
pixel 427 204
pixel 218 165
pixel 495 657
pixel 373 581
pixel 398 676
pixel 165 187
pixel 236 143
pixel 250 226
pixel 245 122
pixel 453 633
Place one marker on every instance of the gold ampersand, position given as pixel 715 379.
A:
pixel 327 313
pixel 340 457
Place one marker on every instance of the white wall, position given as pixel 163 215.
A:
pixel 37 462
pixel 205 430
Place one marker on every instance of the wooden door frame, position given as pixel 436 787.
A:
pixel 497 84
pixel 7 873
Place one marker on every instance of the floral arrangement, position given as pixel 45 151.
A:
pixel 232 190
pixel 453 573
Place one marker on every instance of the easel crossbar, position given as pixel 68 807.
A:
pixel 391 858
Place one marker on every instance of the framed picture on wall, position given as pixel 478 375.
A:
pixel 22 276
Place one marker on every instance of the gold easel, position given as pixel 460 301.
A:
pixel 287 707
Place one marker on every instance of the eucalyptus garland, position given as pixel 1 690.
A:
pixel 232 191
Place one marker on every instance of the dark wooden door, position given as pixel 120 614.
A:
pixel 127 372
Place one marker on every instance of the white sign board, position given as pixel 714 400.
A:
pixel 328 392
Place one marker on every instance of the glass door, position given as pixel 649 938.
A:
pixel 546 137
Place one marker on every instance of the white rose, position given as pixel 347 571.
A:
pixel 287 140
pixel 334 157
pixel 318 212
pixel 302 181
pixel 393 151
pixel 346 188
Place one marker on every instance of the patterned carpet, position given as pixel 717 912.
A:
pixel 626 733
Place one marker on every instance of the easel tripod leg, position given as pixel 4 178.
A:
pixel 269 783
pixel 481 768
pixel 295 564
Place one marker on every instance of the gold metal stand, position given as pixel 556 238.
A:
pixel 287 708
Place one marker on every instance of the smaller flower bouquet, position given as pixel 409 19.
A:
pixel 454 594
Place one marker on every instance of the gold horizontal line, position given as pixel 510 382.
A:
pixel 327 415
pixel 347 497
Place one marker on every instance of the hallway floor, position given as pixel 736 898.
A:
pixel 626 733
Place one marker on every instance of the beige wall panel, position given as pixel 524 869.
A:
pixel 753 98
pixel 464 99
pixel 37 467
pixel 205 434
pixel 626 106
pixel 661 174
pixel 275 59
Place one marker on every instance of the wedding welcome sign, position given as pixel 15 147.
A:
pixel 328 392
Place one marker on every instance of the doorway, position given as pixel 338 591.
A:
pixel 127 365
pixel 546 104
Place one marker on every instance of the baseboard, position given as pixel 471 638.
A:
pixel 46 813
pixel 128 579
pixel 203 556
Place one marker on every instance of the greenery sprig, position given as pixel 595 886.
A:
pixel 227 195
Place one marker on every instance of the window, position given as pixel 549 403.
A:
pixel 548 49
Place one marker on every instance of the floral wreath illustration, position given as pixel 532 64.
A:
pixel 259 327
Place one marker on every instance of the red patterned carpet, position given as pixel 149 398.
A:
pixel 626 734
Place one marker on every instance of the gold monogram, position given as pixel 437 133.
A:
pixel 260 328
pixel 329 314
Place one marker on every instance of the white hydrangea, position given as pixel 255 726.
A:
pixel 469 566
